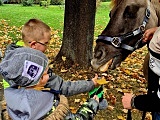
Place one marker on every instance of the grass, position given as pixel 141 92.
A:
pixel 102 17
pixel 17 15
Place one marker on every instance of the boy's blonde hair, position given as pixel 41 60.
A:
pixel 34 30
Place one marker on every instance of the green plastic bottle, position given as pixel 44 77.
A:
pixel 97 91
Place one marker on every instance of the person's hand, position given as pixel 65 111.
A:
pixel 126 100
pixel 95 80
pixel 96 98
pixel 148 34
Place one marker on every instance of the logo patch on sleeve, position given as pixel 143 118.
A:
pixel 32 70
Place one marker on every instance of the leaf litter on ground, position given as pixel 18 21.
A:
pixel 126 78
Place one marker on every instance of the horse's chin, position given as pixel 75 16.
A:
pixel 105 67
pixel 111 64
pixel 101 67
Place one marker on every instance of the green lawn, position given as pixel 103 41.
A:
pixel 17 15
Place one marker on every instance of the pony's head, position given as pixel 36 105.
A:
pixel 123 33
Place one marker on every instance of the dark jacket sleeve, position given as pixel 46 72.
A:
pixel 150 103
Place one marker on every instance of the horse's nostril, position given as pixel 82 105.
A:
pixel 98 54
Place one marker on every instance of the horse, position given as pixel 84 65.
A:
pixel 124 32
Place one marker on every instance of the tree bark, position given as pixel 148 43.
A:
pixel 78 33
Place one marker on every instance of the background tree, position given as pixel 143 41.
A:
pixel 78 33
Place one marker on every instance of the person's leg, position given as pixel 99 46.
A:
pixel 156 116
pixel 1 95
pixel 87 111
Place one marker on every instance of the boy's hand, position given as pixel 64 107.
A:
pixel 96 98
pixel 95 80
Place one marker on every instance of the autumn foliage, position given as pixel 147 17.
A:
pixel 126 78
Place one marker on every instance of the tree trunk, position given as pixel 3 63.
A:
pixel 78 32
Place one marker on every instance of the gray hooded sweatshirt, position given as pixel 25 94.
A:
pixel 30 104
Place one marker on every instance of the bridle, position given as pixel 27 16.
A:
pixel 117 41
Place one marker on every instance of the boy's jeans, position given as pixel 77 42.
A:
pixel 156 116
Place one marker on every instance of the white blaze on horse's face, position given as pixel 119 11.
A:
pixel 124 31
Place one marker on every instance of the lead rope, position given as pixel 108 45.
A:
pixel 129 116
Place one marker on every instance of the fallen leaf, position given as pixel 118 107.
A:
pixel 63 58
pixel 110 107
pixel 102 81
pixel 120 117
pixel 63 70
pixel 73 109
pixel 125 110
pixel 77 100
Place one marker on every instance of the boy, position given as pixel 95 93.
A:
pixel 27 98
pixel 151 101
pixel 36 34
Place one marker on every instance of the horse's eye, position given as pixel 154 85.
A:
pixel 130 11
pixel 130 15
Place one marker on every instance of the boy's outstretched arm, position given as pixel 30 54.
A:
pixel 68 88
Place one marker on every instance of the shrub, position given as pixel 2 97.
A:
pixel 27 2
pixel 1 3
pixel 45 3
pixel 57 2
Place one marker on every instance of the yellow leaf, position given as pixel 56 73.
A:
pixel 119 89
pixel 125 111
pixel 102 81
pixel 128 72
pixel 84 99
pixel 77 100
pixel 110 107
pixel 63 70
pixel 63 58
pixel 120 117
pixel 73 109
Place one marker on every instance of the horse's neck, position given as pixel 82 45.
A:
pixel 156 4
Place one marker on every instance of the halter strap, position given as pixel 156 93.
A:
pixel 117 41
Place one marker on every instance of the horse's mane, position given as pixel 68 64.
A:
pixel 115 2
